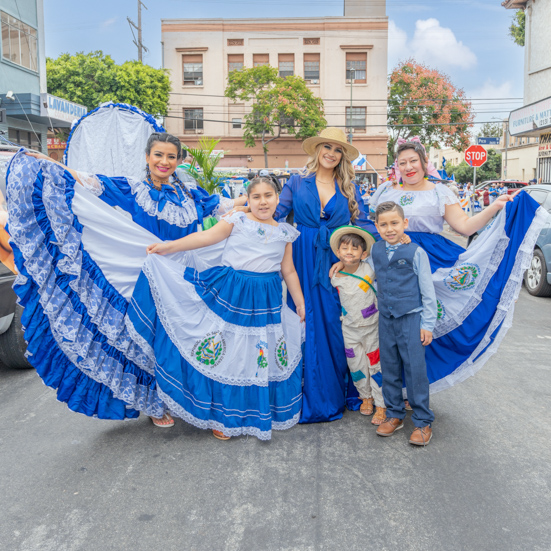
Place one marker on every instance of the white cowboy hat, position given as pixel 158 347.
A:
pixel 330 135
pixel 343 230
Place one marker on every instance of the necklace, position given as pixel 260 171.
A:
pixel 322 182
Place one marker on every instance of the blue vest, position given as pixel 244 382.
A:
pixel 397 284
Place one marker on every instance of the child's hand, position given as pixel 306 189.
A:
pixel 426 337
pixel 335 268
pixel 159 248
pixel 405 239
pixel 301 312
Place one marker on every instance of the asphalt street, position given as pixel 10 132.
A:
pixel 70 483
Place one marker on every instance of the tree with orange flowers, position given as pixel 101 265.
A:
pixel 423 102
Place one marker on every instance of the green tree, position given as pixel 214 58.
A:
pixel 206 160
pixel 277 104
pixel 91 79
pixel 423 102
pixel 517 28
pixel 490 170
pixel 490 130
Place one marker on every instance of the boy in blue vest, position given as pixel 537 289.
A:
pixel 407 315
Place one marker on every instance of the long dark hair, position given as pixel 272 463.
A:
pixel 164 137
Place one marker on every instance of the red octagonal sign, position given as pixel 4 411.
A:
pixel 476 155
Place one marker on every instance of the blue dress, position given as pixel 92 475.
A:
pixel 225 350
pixel 326 382
pixel 78 261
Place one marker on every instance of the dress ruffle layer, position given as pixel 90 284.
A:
pixel 74 318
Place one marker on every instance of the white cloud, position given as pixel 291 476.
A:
pixel 497 104
pixel 108 23
pixel 431 44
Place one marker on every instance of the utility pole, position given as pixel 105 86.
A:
pixel 138 27
pixel 351 134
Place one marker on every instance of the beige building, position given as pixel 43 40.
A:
pixel 326 51
pixel 529 128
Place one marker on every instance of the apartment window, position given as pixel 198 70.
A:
pixel 286 122
pixel 23 137
pixel 286 64
pixel 19 42
pixel 356 64
pixel 193 121
pixel 312 68
pixel 235 62
pixel 193 70
pixel 236 123
pixel 355 118
pixel 261 59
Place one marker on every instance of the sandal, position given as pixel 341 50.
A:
pixel 407 407
pixel 367 406
pixel 379 417
pixel 220 435
pixel 165 422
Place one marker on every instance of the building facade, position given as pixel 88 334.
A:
pixel 328 52
pixel 530 126
pixel 26 109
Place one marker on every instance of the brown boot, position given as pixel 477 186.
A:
pixel 421 436
pixel 379 417
pixel 389 426
pixel 367 406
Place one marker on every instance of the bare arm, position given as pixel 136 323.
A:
pixel 290 276
pixel 43 157
pixel 458 219
pixel 196 240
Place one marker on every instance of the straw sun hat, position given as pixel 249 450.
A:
pixel 330 135
pixel 343 230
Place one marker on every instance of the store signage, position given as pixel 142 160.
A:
pixel 530 118
pixel 55 143
pixel 60 109
pixel 544 149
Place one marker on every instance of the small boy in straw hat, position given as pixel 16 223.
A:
pixel 360 317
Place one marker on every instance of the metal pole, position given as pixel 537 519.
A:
pixel 474 178
pixel 139 31
pixel 506 149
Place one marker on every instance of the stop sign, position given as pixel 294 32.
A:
pixel 476 155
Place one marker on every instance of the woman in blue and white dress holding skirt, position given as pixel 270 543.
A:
pixel 476 288
pixel 79 260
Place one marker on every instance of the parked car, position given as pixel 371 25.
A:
pixel 511 185
pixel 538 276
pixel 12 343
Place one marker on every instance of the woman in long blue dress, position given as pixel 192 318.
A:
pixel 324 199
pixel 476 288
pixel 74 312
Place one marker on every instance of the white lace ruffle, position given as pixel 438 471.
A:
pixel 264 233
pixel 181 216
pixel 179 411
pixel 91 182
pixel 223 207
pixel 445 197
pixel 504 312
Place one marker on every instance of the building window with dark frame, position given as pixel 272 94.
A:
pixel 193 121
pixel 355 118
pixel 235 62
pixel 24 138
pixel 356 67
pixel 312 68
pixel 193 70
pixel 236 123
pixel 261 59
pixel 286 64
pixel 19 42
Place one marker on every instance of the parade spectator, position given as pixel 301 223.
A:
pixel 486 197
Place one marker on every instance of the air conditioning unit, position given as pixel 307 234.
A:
pixel 199 131
pixel 285 131
pixel 314 82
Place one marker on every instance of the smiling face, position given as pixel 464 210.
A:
pixel 350 253
pixel 263 201
pixel 411 167
pixel 330 155
pixel 162 160
pixel 391 226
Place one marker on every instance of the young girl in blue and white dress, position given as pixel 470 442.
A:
pixel 225 350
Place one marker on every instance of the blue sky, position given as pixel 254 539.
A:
pixel 466 39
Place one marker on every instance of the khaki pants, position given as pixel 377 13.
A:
pixel 361 346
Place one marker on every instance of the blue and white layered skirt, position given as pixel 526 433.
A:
pixel 226 350
pixel 79 261
pixel 477 288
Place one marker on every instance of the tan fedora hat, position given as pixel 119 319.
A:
pixel 343 230
pixel 330 135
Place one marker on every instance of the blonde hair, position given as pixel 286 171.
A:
pixel 344 173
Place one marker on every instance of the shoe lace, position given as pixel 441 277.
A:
pixel 423 434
